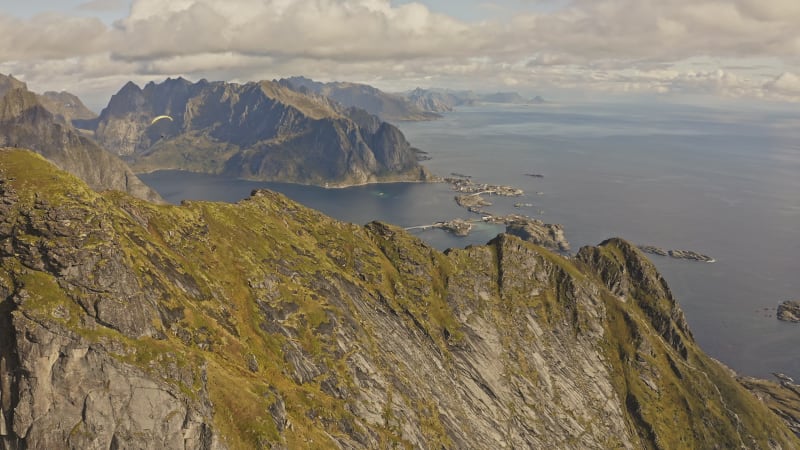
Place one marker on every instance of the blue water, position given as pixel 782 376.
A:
pixel 721 181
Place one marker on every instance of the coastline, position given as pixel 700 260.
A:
pixel 433 180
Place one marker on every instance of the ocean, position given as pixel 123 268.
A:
pixel 720 180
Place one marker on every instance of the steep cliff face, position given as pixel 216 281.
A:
pixel 25 122
pixel 7 83
pixel 266 324
pixel 262 131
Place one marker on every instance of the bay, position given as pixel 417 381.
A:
pixel 723 181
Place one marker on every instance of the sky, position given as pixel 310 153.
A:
pixel 742 49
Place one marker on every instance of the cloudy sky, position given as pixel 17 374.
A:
pixel 746 49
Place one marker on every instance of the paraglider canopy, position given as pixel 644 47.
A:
pixel 160 118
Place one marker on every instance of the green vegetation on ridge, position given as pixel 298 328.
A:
pixel 307 332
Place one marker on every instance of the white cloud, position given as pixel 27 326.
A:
pixel 333 29
pixel 103 5
pixel 786 84
pixel 610 45
pixel 50 36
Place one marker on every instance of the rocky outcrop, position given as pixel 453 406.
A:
pixel 25 122
pixel 388 107
pixel 262 131
pixel 783 398
pixel 8 82
pixel 545 234
pixel 72 393
pixel 268 325
pixel 629 275
pixel 789 311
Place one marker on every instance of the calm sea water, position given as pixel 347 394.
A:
pixel 721 181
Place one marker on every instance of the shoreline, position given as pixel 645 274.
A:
pixel 296 183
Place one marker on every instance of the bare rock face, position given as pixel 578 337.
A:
pixel 783 397
pixel 75 394
pixel 263 131
pixel 268 325
pixel 8 83
pixel 789 311
pixel 545 234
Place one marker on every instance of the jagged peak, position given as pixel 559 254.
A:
pixel 17 101
pixel 624 268
pixel 630 275
pixel 8 82
pixel 130 86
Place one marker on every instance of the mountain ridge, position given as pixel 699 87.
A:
pixel 389 107
pixel 265 324
pixel 257 130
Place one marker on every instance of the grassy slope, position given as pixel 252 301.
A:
pixel 219 264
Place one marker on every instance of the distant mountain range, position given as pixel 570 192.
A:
pixel 419 104
pixel 264 130
pixel 41 123
pixel 444 100
pixel 389 107
pixel 66 106
pixel 293 130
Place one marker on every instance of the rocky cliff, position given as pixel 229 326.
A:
pixel 262 131
pixel 268 325
pixel 8 82
pixel 26 122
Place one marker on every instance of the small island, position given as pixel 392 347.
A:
pixel 789 311
pixel 548 235
pixel 677 254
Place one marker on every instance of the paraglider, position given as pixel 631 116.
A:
pixel 160 118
